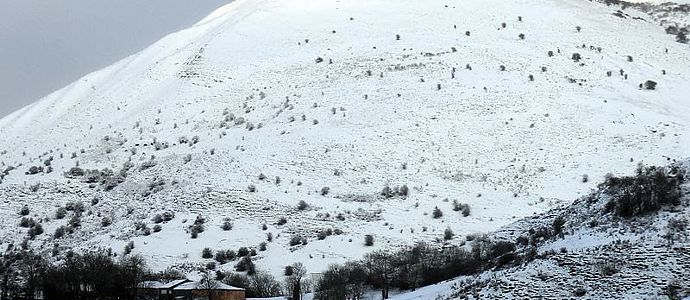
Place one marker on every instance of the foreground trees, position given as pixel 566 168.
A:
pixel 92 275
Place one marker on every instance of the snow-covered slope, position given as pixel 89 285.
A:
pixel 353 96
pixel 599 256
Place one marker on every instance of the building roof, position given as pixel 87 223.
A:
pixel 173 283
pixel 149 284
pixel 199 286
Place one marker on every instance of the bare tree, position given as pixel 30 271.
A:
pixel 264 285
pixel 380 267
pixel 134 269
pixel 208 283
pixel 294 281
pixel 342 282
pixel 32 266
pixel 8 278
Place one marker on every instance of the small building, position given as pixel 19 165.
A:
pixel 148 289
pixel 185 289
pixel 165 291
pixel 218 291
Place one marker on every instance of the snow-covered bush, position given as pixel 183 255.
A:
pixel 437 213
pixel 368 240
pixel 325 190
pixel 207 253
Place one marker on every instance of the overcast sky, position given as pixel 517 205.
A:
pixel 47 44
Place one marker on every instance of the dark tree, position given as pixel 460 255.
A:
pixel 293 282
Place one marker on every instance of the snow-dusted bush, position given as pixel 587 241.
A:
pixel 325 190
pixel 437 213
pixel 164 217
pixel 295 240
pixel 368 240
pixel 27 222
pixel 60 232
pixel 24 210
pixel 34 170
pixel 74 172
pixel 129 247
pixel 147 165
pixel 682 37
pixel 465 208
pixel 242 251
pixel 75 221
pixel 576 57
pixel 246 264
pixel 197 227
pixel 227 224
pixel 206 253
pixel 557 225
pixel 60 213
pixel 448 234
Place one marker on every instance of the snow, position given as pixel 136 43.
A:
pixel 523 146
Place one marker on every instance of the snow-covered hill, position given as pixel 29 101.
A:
pixel 479 102
pixel 598 256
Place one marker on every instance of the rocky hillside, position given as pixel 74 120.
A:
pixel 617 243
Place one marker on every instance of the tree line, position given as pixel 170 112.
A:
pixel 415 266
pixel 91 275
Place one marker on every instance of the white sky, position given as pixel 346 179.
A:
pixel 47 44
